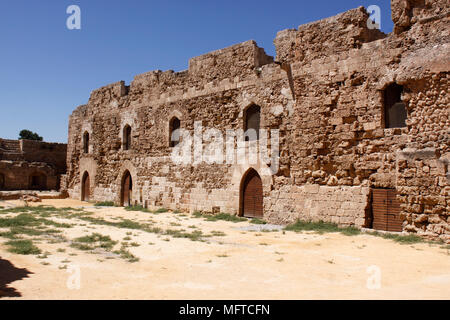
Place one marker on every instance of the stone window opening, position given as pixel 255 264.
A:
pixel 86 142
pixel 174 131
pixel 252 119
pixel 394 108
pixel 127 137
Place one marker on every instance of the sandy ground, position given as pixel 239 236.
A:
pixel 242 264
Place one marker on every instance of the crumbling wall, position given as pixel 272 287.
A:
pixel 325 96
pixel 21 159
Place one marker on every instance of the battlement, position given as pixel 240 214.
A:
pixel 342 32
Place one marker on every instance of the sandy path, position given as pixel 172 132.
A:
pixel 239 265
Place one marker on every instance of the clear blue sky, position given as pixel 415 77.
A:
pixel 46 70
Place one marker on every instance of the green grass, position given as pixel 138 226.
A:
pixel 105 204
pixel 161 210
pixel 321 227
pixel 22 247
pixel 402 239
pixel 127 255
pixel 257 221
pixel 224 217
pixel 137 208
pixel 93 241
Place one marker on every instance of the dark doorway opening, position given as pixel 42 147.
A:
pixel 126 190
pixel 38 182
pixel 85 187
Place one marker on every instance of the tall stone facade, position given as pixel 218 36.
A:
pixel 31 165
pixel 332 93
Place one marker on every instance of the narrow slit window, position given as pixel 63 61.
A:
pixel 127 138
pixel 86 142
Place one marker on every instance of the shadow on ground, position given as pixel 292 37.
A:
pixel 9 273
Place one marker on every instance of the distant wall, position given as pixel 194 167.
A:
pixel 27 164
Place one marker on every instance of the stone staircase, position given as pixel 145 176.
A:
pixel 10 150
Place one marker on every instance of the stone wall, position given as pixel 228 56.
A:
pixel 324 93
pixel 20 160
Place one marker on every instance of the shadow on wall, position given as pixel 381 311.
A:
pixel 9 273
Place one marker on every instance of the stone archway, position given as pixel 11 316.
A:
pixel 126 189
pixel 85 187
pixel 251 195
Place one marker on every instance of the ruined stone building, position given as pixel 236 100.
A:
pixel 31 165
pixel 363 120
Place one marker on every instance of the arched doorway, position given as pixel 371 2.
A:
pixel 252 195
pixel 85 187
pixel 126 190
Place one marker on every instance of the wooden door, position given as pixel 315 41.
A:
pixel 86 188
pixel 386 210
pixel 252 196
pixel 126 190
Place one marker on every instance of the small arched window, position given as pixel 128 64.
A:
pixel 86 142
pixel 127 138
pixel 174 131
pixel 394 108
pixel 252 118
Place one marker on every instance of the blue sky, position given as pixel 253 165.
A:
pixel 46 70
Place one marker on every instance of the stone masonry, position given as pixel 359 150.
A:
pixel 324 91
pixel 28 165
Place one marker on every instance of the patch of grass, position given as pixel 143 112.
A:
pixel 218 233
pixel 194 236
pixel 321 227
pixel 174 224
pixel 22 247
pixel 402 239
pixel 224 217
pixel 137 208
pixel 161 210
pixel 222 255
pixel 105 204
pixel 44 263
pixel 257 221
pixel 61 250
pixel 127 238
pixel 127 255
pixel 134 244
pixel 93 241
pixel 263 244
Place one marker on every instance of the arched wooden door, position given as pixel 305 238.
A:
pixel 86 188
pixel 252 195
pixel 127 188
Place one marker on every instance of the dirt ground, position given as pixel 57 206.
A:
pixel 239 263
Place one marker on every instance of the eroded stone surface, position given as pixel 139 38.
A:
pixel 324 92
